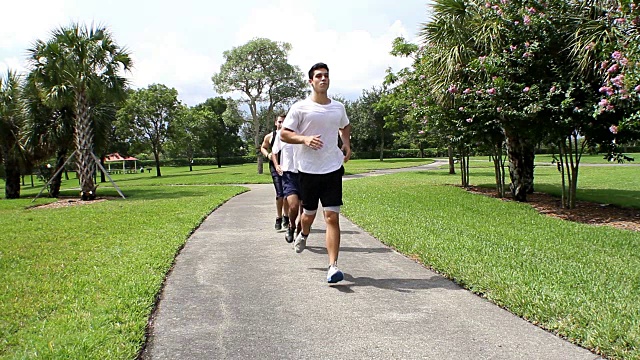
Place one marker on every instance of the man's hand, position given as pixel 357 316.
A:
pixel 279 170
pixel 346 150
pixel 313 142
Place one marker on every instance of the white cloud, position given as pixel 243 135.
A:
pixel 181 44
pixel 357 59
pixel 161 58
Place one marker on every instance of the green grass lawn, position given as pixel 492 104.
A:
pixel 81 281
pixel 580 281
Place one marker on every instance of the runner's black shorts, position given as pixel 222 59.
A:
pixel 326 188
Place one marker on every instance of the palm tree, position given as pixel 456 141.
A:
pixel 11 123
pixel 79 61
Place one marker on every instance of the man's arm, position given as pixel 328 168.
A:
pixel 277 148
pixel 266 143
pixel 345 134
pixel 312 141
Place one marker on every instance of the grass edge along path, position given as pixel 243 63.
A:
pixel 575 280
pixel 81 282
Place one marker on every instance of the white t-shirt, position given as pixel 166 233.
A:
pixel 307 117
pixel 287 153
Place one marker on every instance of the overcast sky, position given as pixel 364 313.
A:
pixel 180 43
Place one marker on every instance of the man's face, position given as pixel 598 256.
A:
pixel 279 121
pixel 320 80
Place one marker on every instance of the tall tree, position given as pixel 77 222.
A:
pixel 11 126
pixel 147 115
pixel 81 60
pixel 217 138
pixel 260 71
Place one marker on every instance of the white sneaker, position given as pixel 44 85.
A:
pixel 334 275
pixel 300 243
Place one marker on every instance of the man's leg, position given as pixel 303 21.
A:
pixel 294 204
pixel 279 202
pixel 332 237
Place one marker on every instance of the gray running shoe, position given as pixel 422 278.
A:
pixel 300 243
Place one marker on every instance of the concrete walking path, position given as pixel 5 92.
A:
pixel 239 291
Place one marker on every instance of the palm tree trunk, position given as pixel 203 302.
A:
pixel 84 145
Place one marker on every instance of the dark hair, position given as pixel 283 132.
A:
pixel 316 67
pixel 281 114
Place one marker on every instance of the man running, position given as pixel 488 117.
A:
pixel 267 144
pixel 317 122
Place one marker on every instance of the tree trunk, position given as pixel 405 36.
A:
pixel 521 176
pixel 156 156
pixel 84 145
pixel 56 182
pixel 452 165
pixel 12 176
pixel 257 140
pixel 103 178
pixel 382 145
pixel 498 166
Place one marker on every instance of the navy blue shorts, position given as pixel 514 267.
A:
pixel 277 183
pixel 291 183
pixel 326 188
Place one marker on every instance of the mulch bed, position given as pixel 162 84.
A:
pixel 585 212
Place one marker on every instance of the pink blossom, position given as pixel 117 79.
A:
pixel 452 89
pixel 531 10
pixel 516 22
pixel 499 12
pixel 613 129
pixel 479 92
pixel 504 2
pixel 623 61
pixel 603 102
pixel 619 21
pixel 421 132
pixel 526 55
pixel 461 108
pixel 499 109
pixel 553 89
pixel 422 77
pixel 487 5
pixel 604 64
pixel 526 20
pixel 527 44
pixel 606 90
pixel 513 47
pixel 491 91
pixel 616 55
pixel 526 89
pixel 618 80
pixel 495 7
pixel 637 88
pixel 469 120
pixel 467 91
pixel 613 68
